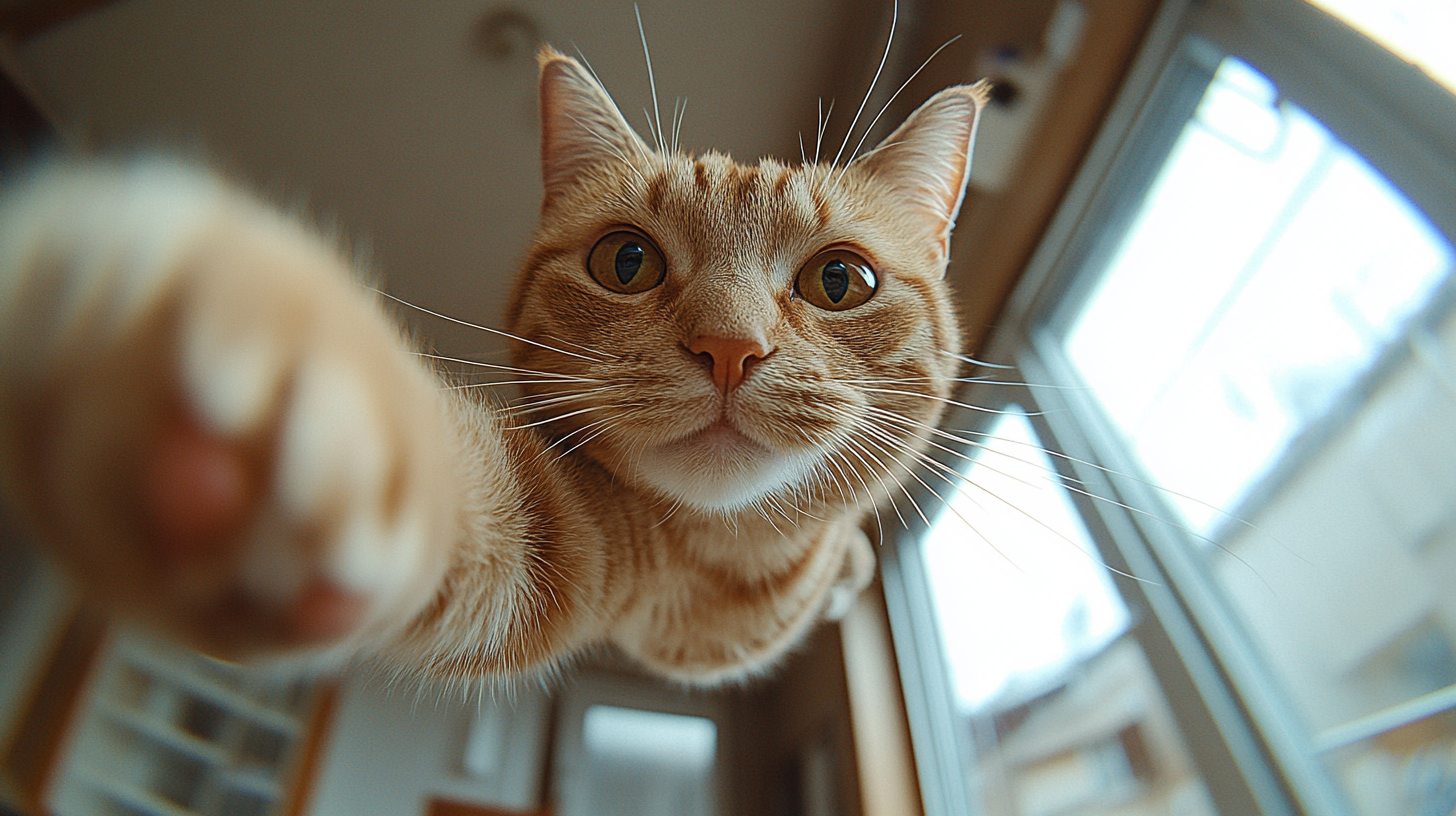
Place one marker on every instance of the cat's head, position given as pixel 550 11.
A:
pixel 725 334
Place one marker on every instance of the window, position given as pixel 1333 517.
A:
pixel 1240 348
pixel 1033 634
pixel 1275 267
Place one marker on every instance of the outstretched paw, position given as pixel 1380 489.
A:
pixel 212 424
pixel 198 492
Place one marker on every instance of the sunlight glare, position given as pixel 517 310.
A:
pixel 1422 32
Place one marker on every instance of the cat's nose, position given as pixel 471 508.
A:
pixel 731 356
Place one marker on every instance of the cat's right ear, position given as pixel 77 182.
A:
pixel 581 127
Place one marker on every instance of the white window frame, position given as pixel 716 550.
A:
pixel 1249 747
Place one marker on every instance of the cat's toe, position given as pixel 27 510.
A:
pixel 237 584
pixel 195 491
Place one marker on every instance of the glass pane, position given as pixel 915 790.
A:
pixel 1346 583
pixel 1273 266
pixel 1010 550
pixel 1273 282
pixel 1058 704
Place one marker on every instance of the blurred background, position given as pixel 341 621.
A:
pixel 1214 237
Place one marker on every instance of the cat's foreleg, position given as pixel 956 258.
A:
pixel 208 420
pixel 533 579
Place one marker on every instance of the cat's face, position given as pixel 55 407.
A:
pixel 726 334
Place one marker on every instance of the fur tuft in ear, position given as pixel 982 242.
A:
pixel 580 124
pixel 928 158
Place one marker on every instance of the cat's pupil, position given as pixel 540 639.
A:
pixel 835 276
pixel 629 261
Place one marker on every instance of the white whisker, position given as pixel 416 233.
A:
pixel 871 126
pixel 487 329
pixel 870 494
pixel 548 376
pixel 973 361
pixel 949 506
pixel 823 123
pixel 670 511
pixel 849 134
pixel 603 429
pixel 863 432
pixel 677 128
pixel 956 478
pixel 967 380
pixel 562 341
pixel 577 412
pixel 947 401
pixel 651 131
pixel 562 439
pixel 545 403
pixel 651 80
pixel 494 384
pixel 1071 483
pixel 889 494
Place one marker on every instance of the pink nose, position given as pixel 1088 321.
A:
pixel 731 357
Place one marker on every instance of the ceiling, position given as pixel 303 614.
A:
pixel 410 128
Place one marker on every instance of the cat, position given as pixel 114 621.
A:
pixel 216 428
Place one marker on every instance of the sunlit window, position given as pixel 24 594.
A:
pixel 1422 32
pixel 1273 283
pixel 1238 348
pixel 1268 269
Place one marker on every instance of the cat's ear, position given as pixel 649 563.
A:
pixel 928 158
pixel 580 124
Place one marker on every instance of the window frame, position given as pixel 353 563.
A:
pixel 1251 750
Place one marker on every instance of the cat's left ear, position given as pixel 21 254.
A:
pixel 581 128
pixel 928 158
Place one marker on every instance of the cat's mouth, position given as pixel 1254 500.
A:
pixel 721 437
pixel 720 448
pixel 718 467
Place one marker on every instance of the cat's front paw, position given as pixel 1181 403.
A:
pixel 207 420
pixel 857 572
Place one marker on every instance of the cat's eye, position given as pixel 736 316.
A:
pixel 626 262
pixel 837 279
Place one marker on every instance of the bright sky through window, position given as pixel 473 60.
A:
pixel 1017 586
pixel 1267 270
pixel 1418 31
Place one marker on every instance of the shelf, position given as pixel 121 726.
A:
pixel 134 797
pixel 190 681
pixel 168 735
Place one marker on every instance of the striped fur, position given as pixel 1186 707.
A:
pixel 630 498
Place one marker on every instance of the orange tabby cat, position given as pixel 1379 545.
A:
pixel 218 431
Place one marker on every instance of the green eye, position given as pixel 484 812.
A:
pixel 837 279
pixel 626 262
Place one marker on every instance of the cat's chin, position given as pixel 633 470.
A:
pixel 719 469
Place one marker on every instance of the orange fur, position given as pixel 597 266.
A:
pixel 700 520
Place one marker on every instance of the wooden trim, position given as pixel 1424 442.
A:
pixel 887 780
pixel 310 753
pixel 29 760
pixel 446 807
pixel 997 233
